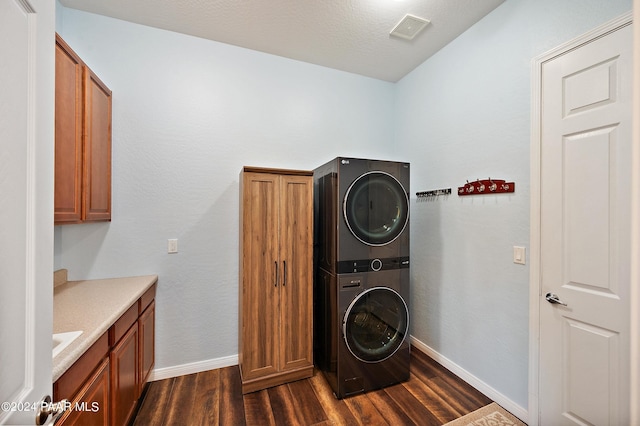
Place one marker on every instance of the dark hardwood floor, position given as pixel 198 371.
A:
pixel 432 396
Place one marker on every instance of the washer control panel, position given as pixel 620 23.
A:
pixel 372 265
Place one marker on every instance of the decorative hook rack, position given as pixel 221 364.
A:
pixel 486 186
pixel 433 193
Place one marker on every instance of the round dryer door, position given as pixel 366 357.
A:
pixel 376 208
pixel 375 324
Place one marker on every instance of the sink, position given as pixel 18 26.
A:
pixel 62 340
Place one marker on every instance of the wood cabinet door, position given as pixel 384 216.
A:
pixel 296 247
pixel 83 141
pixel 97 149
pixel 260 275
pixel 91 405
pixel 68 135
pixel 124 377
pixel 146 325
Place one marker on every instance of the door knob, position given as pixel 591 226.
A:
pixel 553 298
pixel 48 408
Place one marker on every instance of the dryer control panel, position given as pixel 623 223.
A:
pixel 372 265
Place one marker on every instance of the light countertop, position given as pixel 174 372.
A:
pixel 91 306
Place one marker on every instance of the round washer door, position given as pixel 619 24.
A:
pixel 376 208
pixel 375 324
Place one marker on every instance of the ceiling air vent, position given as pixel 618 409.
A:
pixel 409 27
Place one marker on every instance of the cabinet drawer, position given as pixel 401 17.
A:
pixel 69 383
pixel 123 324
pixel 146 299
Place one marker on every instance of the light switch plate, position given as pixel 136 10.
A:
pixel 172 246
pixel 519 255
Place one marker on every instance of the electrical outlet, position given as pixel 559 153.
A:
pixel 172 245
pixel 519 255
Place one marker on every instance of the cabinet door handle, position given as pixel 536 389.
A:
pixel 276 282
pixel 284 280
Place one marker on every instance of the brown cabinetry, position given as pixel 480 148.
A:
pixel 87 380
pixel 104 385
pixel 124 377
pixel 82 141
pixel 146 333
pixel 276 280
pixel 88 407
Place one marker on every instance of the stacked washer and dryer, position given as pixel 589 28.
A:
pixel 361 287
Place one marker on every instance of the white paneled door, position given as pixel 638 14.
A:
pixel 585 172
pixel 26 214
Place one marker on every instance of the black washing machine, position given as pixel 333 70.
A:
pixel 361 286
pixel 362 327
pixel 362 215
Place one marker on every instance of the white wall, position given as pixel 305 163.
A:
pixel 187 115
pixel 465 114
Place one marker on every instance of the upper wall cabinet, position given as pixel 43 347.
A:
pixel 83 141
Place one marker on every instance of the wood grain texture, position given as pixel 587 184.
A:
pixel 257 409
pixel 206 405
pixel 231 401
pixel 432 396
pixel 83 141
pixel 96 197
pixel 386 405
pixel 155 406
pixel 123 360
pixel 94 394
pixel 68 145
pixel 304 396
pixel 276 298
pixel 284 410
pixel 336 410
pixel 182 399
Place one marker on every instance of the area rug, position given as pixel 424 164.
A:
pixel 489 415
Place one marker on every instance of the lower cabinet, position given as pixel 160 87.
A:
pixel 104 385
pixel 124 377
pixel 87 408
pixel 147 337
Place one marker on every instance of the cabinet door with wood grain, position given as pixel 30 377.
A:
pixel 91 405
pixel 260 275
pixel 97 149
pixel 82 141
pixel 146 330
pixel 68 135
pixel 124 377
pixel 296 298
pixel 276 277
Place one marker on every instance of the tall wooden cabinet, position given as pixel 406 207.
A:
pixel 276 278
pixel 83 141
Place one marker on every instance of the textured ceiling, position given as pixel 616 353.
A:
pixel 348 35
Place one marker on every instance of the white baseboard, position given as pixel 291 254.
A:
pixel 194 367
pixel 502 400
